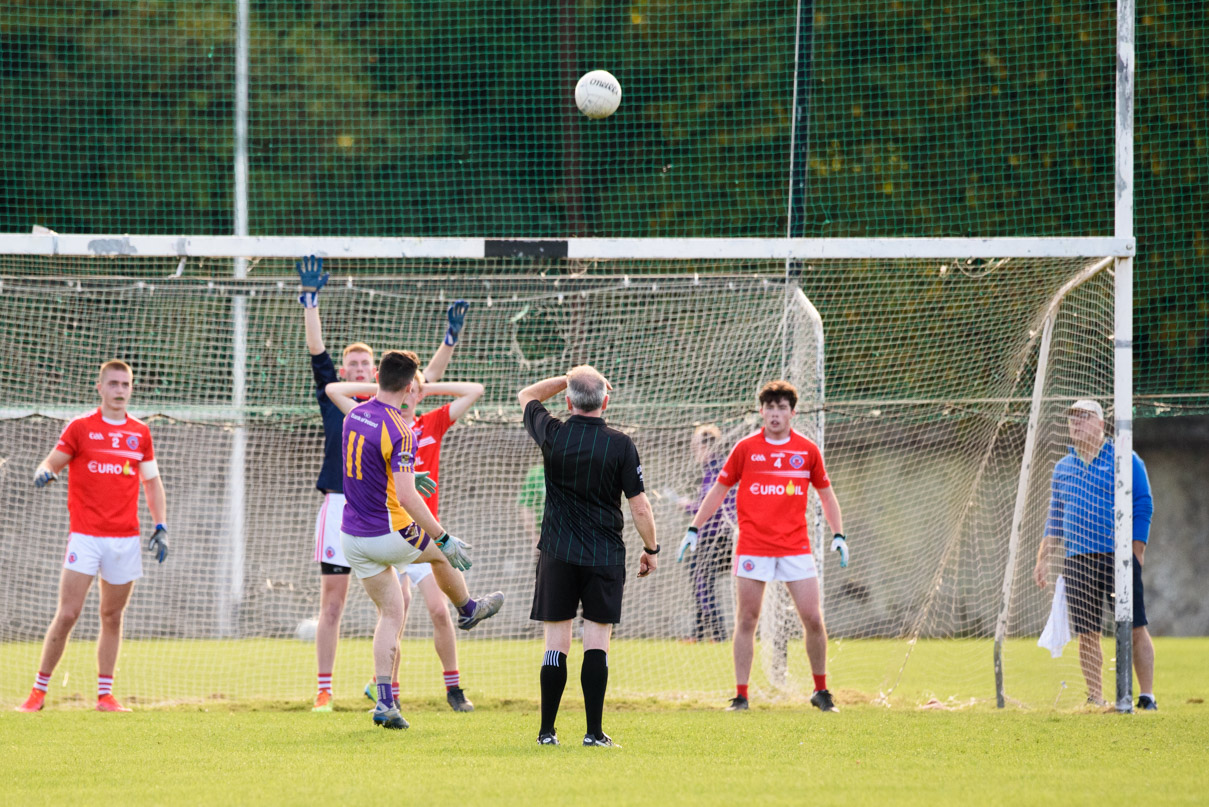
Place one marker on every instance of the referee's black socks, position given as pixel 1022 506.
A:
pixel 594 677
pixel 554 681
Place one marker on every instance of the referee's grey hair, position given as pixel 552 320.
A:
pixel 586 388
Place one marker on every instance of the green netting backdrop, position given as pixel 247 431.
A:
pixel 455 117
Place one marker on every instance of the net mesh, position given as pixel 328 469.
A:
pixel 929 376
pixel 384 117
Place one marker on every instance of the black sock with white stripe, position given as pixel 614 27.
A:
pixel 594 678
pixel 554 681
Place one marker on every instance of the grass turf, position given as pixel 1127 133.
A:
pixel 867 754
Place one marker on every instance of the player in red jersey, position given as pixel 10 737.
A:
pixel 774 468
pixel 429 430
pixel 107 453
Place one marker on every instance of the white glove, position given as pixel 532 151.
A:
pixel 44 477
pixel 689 544
pixel 455 550
pixel 840 544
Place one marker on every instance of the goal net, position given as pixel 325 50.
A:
pixel 918 376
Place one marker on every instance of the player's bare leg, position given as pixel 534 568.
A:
pixel 808 601
pixel 450 580
pixel 1143 662
pixel 383 589
pixel 113 606
pixel 445 640
pixel 1091 659
pixel 333 591
pixel 73 589
pixel 749 598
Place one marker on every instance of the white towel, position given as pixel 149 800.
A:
pixel 1057 628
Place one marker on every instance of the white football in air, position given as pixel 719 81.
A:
pixel 305 632
pixel 598 94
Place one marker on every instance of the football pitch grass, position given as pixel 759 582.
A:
pixel 277 752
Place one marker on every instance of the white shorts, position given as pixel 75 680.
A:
pixel 328 548
pixel 118 560
pixel 417 572
pixel 786 569
pixel 371 555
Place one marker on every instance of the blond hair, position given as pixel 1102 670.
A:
pixel 115 364
pixel 358 347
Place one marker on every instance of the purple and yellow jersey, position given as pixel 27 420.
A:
pixel 375 445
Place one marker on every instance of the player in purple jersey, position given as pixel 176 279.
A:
pixel 386 523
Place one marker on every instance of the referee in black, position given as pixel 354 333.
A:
pixel 588 468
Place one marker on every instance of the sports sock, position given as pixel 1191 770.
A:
pixel 325 682
pixel 820 682
pixel 394 689
pixel 42 682
pixel 1140 694
pixel 594 678
pixel 452 680
pixel 554 681
pixel 385 699
pixel 467 608
pixel 104 685
pixel 742 690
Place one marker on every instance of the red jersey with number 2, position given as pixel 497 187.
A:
pixel 773 480
pixel 103 475
pixel 429 428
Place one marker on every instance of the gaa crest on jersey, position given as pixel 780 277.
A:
pixel 749 565
pixel 797 461
pixel 132 442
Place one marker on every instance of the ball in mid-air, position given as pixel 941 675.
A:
pixel 598 94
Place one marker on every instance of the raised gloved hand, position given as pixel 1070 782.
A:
pixel 457 318
pixel 425 485
pixel 310 272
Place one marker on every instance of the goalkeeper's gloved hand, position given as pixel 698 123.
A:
pixel 425 485
pixel 457 318
pixel 43 477
pixel 840 544
pixel 157 544
pixel 455 550
pixel 310 272
pixel 688 544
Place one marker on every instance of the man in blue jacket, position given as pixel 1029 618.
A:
pixel 1081 521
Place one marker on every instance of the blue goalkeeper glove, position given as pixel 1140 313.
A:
pixel 455 550
pixel 44 477
pixel 157 544
pixel 457 318
pixel 310 272
pixel 425 485
pixel 689 544
pixel 840 544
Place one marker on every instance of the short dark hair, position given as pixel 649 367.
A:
pixel 775 391
pixel 396 370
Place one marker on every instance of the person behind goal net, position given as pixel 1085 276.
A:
pixel 357 365
pixel 108 453
pixel 386 524
pixel 775 465
pixel 429 430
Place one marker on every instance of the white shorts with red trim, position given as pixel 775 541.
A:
pixel 416 572
pixel 117 560
pixel 328 548
pixel 786 569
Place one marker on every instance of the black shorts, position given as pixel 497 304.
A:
pixel 1089 587
pixel 561 587
pixel 331 568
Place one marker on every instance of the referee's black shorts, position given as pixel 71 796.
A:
pixel 562 586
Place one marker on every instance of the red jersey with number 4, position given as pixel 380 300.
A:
pixel 103 481
pixel 429 428
pixel 772 480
